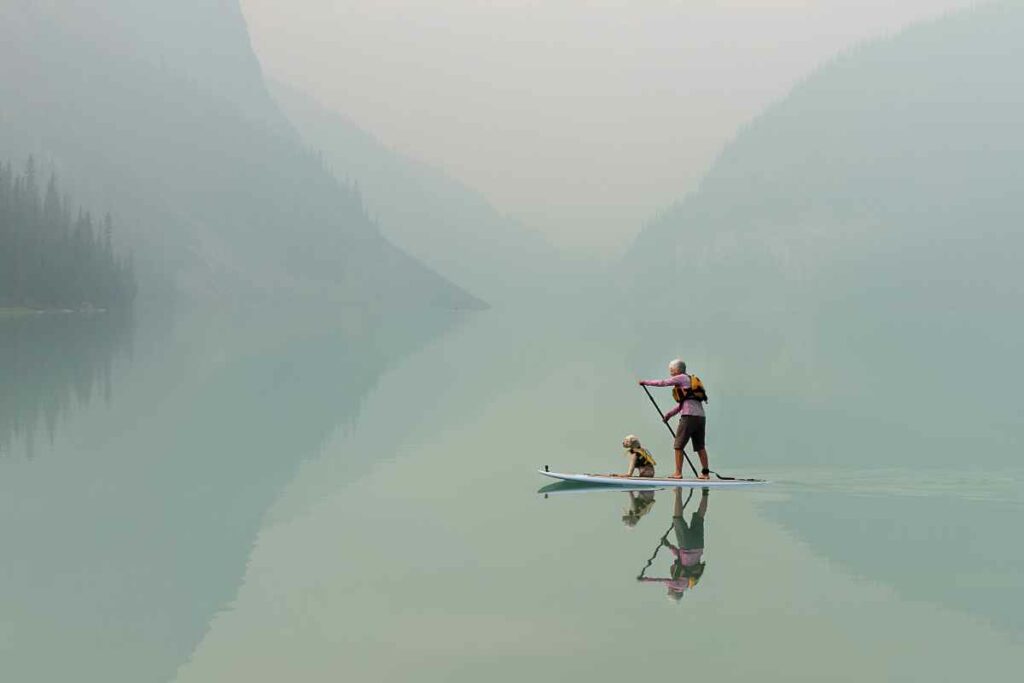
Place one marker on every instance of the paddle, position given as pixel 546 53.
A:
pixel 668 427
pixel 673 433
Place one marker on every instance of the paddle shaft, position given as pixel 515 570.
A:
pixel 668 427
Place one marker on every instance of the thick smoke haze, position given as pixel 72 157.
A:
pixel 581 119
pixel 297 322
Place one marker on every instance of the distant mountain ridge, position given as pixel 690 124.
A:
pixel 864 234
pixel 159 110
pixel 438 219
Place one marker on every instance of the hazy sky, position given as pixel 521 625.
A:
pixel 581 118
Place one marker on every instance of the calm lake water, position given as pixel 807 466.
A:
pixel 204 498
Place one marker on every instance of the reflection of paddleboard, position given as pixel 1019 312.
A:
pixel 645 482
pixel 559 487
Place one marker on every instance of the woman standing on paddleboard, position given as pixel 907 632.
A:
pixel 689 394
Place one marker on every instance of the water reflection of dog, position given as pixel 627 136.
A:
pixel 688 551
pixel 640 503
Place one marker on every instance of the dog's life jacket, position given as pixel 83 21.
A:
pixel 643 457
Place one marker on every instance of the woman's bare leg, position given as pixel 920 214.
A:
pixel 703 453
pixel 679 465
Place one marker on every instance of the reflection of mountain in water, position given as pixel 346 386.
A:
pixel 49 363
pixel 949 550
pixel 147 535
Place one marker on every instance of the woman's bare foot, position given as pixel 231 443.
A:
pixel 677 475
pixel 703 476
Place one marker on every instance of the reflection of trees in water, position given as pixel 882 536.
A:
pixel 49 363
pixel 223 412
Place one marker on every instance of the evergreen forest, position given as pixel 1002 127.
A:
pixel 52 257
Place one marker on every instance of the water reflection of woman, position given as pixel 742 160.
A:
pixel 688 551
pixel 640 503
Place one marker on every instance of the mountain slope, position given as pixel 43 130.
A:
pixel 158 111
pixel 862 240
pixel 447 225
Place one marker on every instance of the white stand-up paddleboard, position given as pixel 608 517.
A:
pixel 649 482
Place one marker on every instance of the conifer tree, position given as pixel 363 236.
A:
pixel 45 261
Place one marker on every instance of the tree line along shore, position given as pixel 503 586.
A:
pixel 54 257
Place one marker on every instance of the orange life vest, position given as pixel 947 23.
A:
pixel 696 392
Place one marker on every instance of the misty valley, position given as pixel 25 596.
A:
pixel 277 390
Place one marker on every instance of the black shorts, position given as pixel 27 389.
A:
pixel 691 428
pixel 689 537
